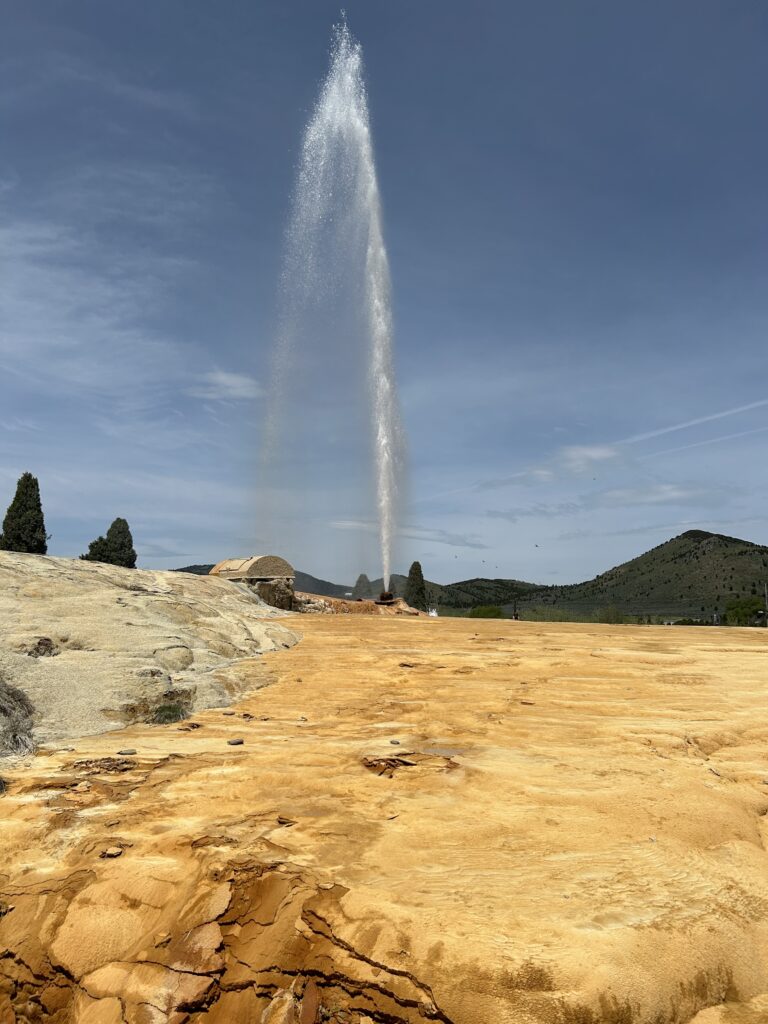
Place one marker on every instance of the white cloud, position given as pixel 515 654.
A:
pixel 657 494
pixel 575 459
pixel 219 385
pixel 582 458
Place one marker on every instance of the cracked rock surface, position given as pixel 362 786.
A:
pixel 570 830
pixel 95 646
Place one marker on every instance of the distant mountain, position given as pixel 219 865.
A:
pixel 467 594
pixel 304 582
pixel 312 585
pixel 692 575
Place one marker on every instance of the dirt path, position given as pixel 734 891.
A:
pixel 427 820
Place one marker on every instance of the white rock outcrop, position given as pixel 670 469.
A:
pixel 94 646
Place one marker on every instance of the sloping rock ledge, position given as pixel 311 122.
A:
pixel 95 647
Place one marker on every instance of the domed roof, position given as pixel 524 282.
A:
pixel 257 567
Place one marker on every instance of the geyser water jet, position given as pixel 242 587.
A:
pixel 335 254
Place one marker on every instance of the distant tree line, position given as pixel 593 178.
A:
pixel 24 530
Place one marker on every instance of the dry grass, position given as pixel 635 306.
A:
pixel 16 712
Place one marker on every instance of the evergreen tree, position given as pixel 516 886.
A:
pixel 115 549
pixel 98 551
pixel 120 543
pixel 415 591
pixel 362 589
pixel 24 526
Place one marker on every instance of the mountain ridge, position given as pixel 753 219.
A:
pixel 694 574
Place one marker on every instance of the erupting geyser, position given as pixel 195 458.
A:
pixel 335 251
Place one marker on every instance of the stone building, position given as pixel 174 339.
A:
pixel 269 576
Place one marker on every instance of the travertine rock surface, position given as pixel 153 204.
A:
pixel 426 820
pixel 95 646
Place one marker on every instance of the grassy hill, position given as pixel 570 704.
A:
pixel 467 594
pixel 693 575
pixel 312 585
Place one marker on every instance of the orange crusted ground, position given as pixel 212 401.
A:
pixel 427 820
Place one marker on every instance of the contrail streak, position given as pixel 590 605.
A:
pixel 693 423
pixel 700 444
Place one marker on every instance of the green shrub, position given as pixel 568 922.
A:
pixel 610 615
pixel 114 549
pixel 168 713
pixel 744 612
pixel 486 611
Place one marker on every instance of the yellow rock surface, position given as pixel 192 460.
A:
pixel 457 820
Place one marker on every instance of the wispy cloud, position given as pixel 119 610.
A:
pixel 663 528
pixel 425 534
pixel 133 195
pixel 74 314
pixel 658 494
pixel 454 540
pixel 526 477
pixel 81 304
pixel 219 385
pixel 539 510
pixel 574 460
pixel 19 424
pixel 619 497
pixel 583 458
pixel 26 85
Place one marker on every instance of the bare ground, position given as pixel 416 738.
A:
pixel 452 820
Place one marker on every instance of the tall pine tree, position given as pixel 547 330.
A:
pixel 415 590
pixel 24 526
pixel 115 549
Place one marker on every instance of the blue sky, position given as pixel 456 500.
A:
pixel 575 208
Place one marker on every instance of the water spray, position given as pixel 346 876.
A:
pixel 337 186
